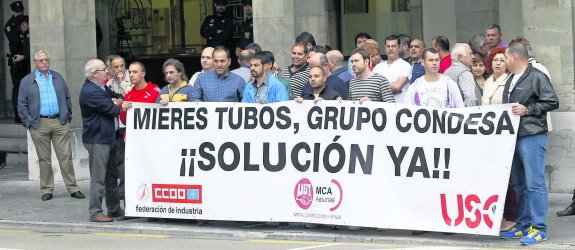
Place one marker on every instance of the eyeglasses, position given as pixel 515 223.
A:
pixel 104 69
pixel 43 60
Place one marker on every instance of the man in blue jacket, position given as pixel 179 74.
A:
pixel 100 107
pixel 45 108
pixel 264 88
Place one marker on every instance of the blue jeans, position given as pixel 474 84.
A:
pixel 528 178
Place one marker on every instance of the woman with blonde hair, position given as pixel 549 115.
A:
pixel 372 48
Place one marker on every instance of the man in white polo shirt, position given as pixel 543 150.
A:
pixel 396 70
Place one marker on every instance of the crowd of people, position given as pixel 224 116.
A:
pixel 485 71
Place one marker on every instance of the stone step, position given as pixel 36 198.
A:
pixel 14 172
pixel 20 158
pixel 12 131
pixel 14 145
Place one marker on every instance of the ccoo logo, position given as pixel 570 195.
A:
pixel 303 193
pixel 143 192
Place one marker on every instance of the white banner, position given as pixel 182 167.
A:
pixel 373 165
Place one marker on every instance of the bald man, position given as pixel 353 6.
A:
pixel 244 58
pixel 319 59
pixel 207 62
pixel 319 91
pixel 340 76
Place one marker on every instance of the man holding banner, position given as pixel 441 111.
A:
pixel 319 90
pixel 433 89
pixel 177 89
pixel 264 88
pixel 368 86
pixel 142 91
pixel 100 110
pixel 534 96
pixel 219 85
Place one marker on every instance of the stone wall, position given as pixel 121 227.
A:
pixel 438 18
pixel 277 22
pixel 559 162
pixel 552 42
pixel 473 17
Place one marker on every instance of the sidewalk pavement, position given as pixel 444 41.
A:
pixel 21 207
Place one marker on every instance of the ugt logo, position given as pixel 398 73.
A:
pixel 303 193
pixel 477 214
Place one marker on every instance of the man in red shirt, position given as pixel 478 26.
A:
pixel 141 92
pixel 441 44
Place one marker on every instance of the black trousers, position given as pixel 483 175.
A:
pixel 119 146
pixel 16 73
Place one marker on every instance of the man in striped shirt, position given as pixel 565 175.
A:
pixel 297 73
pixel 368 86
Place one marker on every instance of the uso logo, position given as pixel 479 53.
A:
pixel 477 210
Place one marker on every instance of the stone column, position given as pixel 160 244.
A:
pixel 439 18
pixel 473 17
pixel 67 30
pixel 552 42
pixel 311 16
pixel 274 28
pixel 416 17
pixel 277 23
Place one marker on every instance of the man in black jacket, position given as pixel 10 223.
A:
pixel 217 29
pixel 534 96
pixel 319 90
pixel 19 66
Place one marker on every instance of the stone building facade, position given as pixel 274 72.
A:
pixel 66 29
